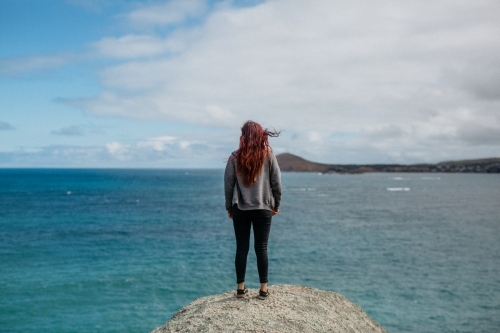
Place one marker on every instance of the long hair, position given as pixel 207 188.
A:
pixel 254 148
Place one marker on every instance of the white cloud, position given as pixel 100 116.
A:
pixel 152 152
pixel 357 81
pixel 157 143
pixel 116 148
pixel 162 148
pixel 184 144
pixel 130 46
pixel 315 65
pixel 125 47
pixel 220 115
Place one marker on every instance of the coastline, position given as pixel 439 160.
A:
pixel 292 163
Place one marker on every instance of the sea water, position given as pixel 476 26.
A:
pixel 123 250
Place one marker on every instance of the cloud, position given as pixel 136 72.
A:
pixel 466 126
pixel 477 135
pixel 156 148
pixel 17 65
pixel 69 131
pixel 386 132
pixel 344 66
pixel 55 156
pixel 130 46
pixel 162 145
pixel 159 143
pixel 354 81
pixel 172 12
pixel 152 152
pixel 480 79
pixel 126 47
pixel 5 126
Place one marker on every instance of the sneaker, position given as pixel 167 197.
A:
pixel 240 293
pixel 263 294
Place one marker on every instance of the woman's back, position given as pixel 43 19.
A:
pixel 264 193
pixel 252 188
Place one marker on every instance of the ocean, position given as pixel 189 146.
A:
pixel 123 250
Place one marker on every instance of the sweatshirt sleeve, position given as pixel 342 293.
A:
pixel 275 179
pixel 229 182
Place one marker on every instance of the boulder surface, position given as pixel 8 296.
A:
pixel 288 309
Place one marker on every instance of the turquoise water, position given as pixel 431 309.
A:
pixel 122 250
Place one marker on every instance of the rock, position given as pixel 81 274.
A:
pixel 288 309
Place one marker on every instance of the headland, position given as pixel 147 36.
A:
pixel 293 163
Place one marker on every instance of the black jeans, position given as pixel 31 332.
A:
pixel 242 221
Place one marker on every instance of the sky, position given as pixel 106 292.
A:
pixel 168 84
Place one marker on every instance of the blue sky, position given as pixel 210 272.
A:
pixel 88 83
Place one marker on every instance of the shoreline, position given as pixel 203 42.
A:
pixel 292 163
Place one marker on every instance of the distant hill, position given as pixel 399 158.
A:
pixel 290 162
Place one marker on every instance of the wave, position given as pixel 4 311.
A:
pixel 395 189
pixel 430 178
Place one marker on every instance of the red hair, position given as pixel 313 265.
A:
pixel 254 147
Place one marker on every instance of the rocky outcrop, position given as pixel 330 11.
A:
pixel 288 309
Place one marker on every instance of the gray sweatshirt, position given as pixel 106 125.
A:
pixel 265 193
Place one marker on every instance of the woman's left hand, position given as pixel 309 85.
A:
pixel 275 211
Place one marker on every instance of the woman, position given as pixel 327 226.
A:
pixel 252 183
